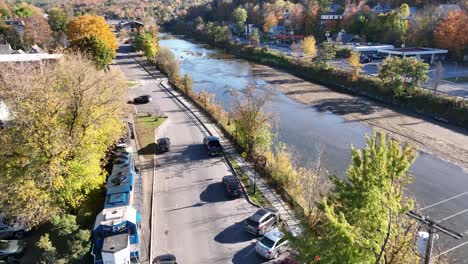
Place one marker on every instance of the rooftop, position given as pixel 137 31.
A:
pixel 29 57
pixel 115 243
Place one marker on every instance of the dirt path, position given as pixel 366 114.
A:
pixel 447 142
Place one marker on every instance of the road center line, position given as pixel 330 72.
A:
pixel 443 201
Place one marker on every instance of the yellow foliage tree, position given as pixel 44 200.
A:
pixel 353 60
pixel 452 33
pixel 309 48
pixel 88 26
pixel 270 21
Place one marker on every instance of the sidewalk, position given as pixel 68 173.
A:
pixel 285 212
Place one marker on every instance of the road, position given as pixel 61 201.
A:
pixel 192 217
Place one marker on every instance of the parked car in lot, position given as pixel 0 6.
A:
pixel 376 56
pixel 262 221
pixel 364 59
pixel 213 145
pixel 165 259
pixel 272 244
pixel 232 186
pixel 143 99
pixel 164 144
pixel 11 231
pixel 11 248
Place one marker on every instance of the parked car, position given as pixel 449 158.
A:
pixel 213 145
pixel 165 259
pixel 11 248
pixel 364 59
pixel 143 99
pixel 376 56
pixel 272 244
pixel 262 221
pixel 164 144
pixel 232 186
pixel 11 231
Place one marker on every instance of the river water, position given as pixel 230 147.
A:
pixel 305 130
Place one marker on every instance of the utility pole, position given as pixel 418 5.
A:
pixel 433 227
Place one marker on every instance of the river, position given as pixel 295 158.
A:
pixel 305 129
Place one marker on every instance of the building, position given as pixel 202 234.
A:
pixel 427 54
pixel 130 26
pixel 368 47
pixel 17 24
pixel 277 30
pixel 345 38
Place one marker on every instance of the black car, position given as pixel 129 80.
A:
pixel 143 99
pixel 164 144
pixel 262 221
pixel 232 186
pixel 364 59
pixel 213 145
pixel 165 259
pixel 375 56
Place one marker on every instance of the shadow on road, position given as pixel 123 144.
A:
pixel 213 193
pixel 233 234
pixel 247 256
pixel 148 150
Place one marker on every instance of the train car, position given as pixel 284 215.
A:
pixel 116 236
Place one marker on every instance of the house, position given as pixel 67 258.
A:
pixel 130 26
pixel 382 8
pixel 278 30
pixel 17 24
pixel 335 13
pixel 345 38
pixel 443 10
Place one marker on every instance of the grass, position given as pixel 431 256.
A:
pixel 461 79
pixel 258 197
pixel 131 83
pixel 145 126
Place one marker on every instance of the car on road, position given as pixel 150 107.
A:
pixel 165 259
pixel 11 231
pixel 262 221
pixel 163 144
pixel 364 59
pixel 272 244
pixel 213 145
pixel 11 248
pixel 232 186
pixel 143 99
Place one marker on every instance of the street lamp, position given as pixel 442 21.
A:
pixel 403 47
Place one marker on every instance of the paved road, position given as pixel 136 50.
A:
pixel 193 218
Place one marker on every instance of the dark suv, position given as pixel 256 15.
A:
pixel 232 186
pixel 213 145
pixel 261 221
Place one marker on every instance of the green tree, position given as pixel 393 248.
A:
pixel 326 52
pixel 70 113
pixel 148 43
pixel 58 20
pixel 95 49
pixel 23 11
pixel 403 75
pixel 255 37
pixel 9 35
pixel 365 215
pixel 187 84
pixel 239 15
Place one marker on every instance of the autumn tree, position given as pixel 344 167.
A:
pixel 309 47
pixel 403 75
pixel 87 26
pixel 94 49
pixel 37 31
pixel 269 22
pixel 353 60
pixel 365 214
pixel 187 82
pixel 148 43
pixel 67 114
pixel 452 33
pixel 9 35
pixel 239 15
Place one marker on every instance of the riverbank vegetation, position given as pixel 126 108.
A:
pixel 66 114
pixel 442 107
pixel 363 216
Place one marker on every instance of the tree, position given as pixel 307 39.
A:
pixel 452 33
pixel 252 124
pixel 87 26
pixel 327 51
pixel 58 20
pixel 188 84
pixel 404 75
pixel 255 37
pixel 270 21
pixel 68 116
pixel 353 60
pixel 95 49
pixel 309 48
pixel 23 11
pixel 148 43
pixel 239 15
pixel 37 31
pixel 9 35
pixel 365 215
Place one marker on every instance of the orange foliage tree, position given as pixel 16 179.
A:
pixel 88 26
pixel 451 33
pixel 270 21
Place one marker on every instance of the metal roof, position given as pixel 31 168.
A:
pixel 29 57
